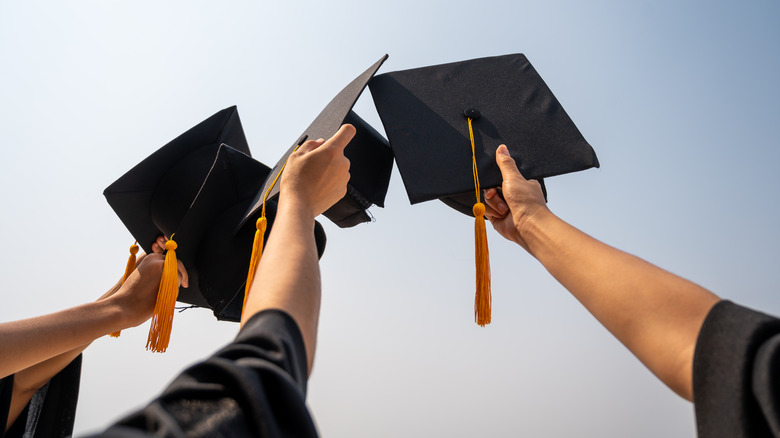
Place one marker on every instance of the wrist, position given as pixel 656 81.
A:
pixel 530 227
pixel 116 314
pixel 295 207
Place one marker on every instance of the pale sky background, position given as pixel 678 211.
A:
pixel 678 98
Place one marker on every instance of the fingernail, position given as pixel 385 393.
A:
pixel 489 193
pixel 320 140
pixel 502 150
pixel 502 208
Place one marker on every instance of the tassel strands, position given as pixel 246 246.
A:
pixel 129 268
pixel 482 299
pixel 257 251
pixel 162 318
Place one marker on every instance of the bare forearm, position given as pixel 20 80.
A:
pixel 654 313
pixel 30 341
pixel 288 276
pixel 35 376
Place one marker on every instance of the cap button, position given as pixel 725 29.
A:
pixel 472 113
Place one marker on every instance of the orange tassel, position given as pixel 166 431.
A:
pixel 162 318
pixel 262 225
pixel 128 270
pixel 482 300
pixel 257 252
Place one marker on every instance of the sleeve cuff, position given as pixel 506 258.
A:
pixel 723 371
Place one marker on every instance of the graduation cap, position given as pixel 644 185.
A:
pixel 196 190
pixel 371 160
pixel 445 122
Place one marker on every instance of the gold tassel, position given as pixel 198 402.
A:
pixel 162 318
pixel 262 225
pixel 257 252
pixel 482 299
pixel 129 268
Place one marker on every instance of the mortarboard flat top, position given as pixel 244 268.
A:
pixel 423 109
pixel 198 188
pixel 131 195
pixel 371 160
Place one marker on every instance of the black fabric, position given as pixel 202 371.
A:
pixel 6 391
pixel 57 412
pixel 199 187
pixel 423 112
pixel 735 374
pixel 371 163
pixel 370 157
pixel 254 387
pixel 766 382
pixel 186 161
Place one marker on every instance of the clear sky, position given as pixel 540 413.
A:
pixel 678 98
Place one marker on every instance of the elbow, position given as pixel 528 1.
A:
pixel 27 387
pixel 680 377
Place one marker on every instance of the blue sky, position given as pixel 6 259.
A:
pixel 679 100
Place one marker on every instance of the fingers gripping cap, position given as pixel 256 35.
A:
pixel 445 123
pixel 198 187
pixel 425 113
pixel 371 160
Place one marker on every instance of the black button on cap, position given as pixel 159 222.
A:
pixel 472 113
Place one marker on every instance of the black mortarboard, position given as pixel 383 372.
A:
pixel 423 109
pixel 429 115
pixel 199 187
pixel 371 160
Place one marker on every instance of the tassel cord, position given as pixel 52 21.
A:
pixel 129 268
pixel 257 245
pixel 483 298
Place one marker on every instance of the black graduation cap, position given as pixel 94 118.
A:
pixel 199 187
pixel 424 112
pixel 371 160
pixel 445 123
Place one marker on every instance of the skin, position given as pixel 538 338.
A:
pixel 36 349
pixel 655 314
pixel 315 178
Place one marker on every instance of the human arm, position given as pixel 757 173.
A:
pixel 32 378
pixel 36 349
pixel 654 313
pixel 288 276
pixel 27 342
pixel 132 301
pixel 29 380
pixel 256 385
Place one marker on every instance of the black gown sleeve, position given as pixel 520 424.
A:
pixel 254 387
pixel 6 390
pixel 736 374
pixel 52 410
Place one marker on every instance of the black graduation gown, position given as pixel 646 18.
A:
pixel 254 387
pixel 52 410
pixel 736 374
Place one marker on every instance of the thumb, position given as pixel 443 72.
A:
pixel 341 138
pixel 506 163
